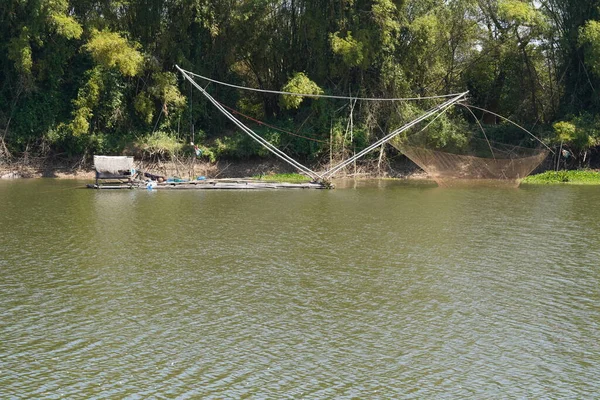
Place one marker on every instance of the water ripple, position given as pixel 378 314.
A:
pixel 408 292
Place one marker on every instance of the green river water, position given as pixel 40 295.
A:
pixel 378 290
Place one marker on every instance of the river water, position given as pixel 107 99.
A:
pixel 377 290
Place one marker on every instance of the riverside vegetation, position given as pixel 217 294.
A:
pixel 83 77
pixel 581 177
pixel 292 178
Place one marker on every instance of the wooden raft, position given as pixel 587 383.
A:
pixel 212 184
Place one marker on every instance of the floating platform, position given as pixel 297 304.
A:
pixel 211 184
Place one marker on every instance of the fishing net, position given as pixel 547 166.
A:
pixel 371 123
pixel 474 161
pixel 317 126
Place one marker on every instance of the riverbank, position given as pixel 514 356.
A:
pixel 576 177
pixel 261 168
pixel 191 168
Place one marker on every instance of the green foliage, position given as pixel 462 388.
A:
pixel 299 83
pixel 509 134
pixel 384 15
pixel 575 43
pixel 252 106
pixel 241 146
pixel 348 48
pixel 19 51
pixel 60 19
pixel 578 177
pixel 145 107
pixel 86 101
pixel 66 26
pixel 83 76
pixel 565 131
pixel 161 89
pixel 236 145
pixel 160 144
pixel 581 132
pixel 520 12
pixel 445 133
pixel 425 29
pixel 111 50
pixel 229 146
pixel 589 39
pixel 208 153
pixel 448 134
pixel 165 89
pixel 273 137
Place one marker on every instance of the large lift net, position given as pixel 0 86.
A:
pixel 476 160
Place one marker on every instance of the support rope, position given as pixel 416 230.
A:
pixel 325 96
pixel 192 113
pixel 253 135
pixel 440 108
pixel 271 126
pixel 480 127
pixel 509 121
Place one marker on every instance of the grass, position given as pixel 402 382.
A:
pixel 578 177
pixel 289 178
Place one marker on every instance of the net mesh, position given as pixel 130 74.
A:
pixel 474 161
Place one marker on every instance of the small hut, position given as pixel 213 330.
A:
pixel 113 168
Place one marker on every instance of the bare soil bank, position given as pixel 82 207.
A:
pixel 190 169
